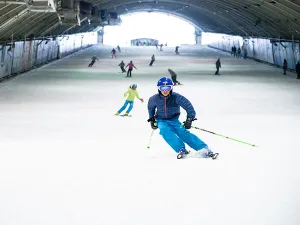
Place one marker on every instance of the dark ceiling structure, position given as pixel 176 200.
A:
pixel 21 19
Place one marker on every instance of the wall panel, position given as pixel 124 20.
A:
pixel 266 50
pixel 28 54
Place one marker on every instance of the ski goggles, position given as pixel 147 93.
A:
pixel 165 88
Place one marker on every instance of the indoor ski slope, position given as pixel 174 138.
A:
pixel 65 159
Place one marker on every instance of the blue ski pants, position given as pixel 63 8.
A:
pixel 176 135
pixel 125 105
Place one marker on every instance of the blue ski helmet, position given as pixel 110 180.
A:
pixel 133 86
pixel 165 83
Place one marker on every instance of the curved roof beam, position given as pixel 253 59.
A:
pixel 291 12
pixel 268 14
pixel 44 22
pixel 48 30
pixel 247 16
pixel 9 24
pixel 193 4
pixel 200 23
pixel 24 24
pixel 258 12
pixel 12 15
pixel 27 22
pixel 248 19
pixel 269 18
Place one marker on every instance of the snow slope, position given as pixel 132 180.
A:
pixel 65 159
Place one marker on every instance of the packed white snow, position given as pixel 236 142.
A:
pixel 65 159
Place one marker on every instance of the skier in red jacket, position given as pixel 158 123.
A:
pixel 130 68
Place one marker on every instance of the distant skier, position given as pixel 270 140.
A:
pixel 119 49
pixel 161 47
pixel 164 112
pixel 176 50
pixel 285 66
pixel 130 68
pixel 173 77
pixel 132 93
pixel 298 70
pixel 239 53
pixel 234 51
pixel 152 60
pixel 94 58
pixel 121 65
pixel 218 66
pixel 113 51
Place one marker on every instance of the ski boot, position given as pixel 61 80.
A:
pixel 182 153
pixel 210 154
pixel 117 114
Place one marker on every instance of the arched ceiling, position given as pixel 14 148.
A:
pixel 263 18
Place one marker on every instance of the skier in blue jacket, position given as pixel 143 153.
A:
pixel 164 111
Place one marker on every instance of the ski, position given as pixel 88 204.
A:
pixel 213 156
pixel 124 115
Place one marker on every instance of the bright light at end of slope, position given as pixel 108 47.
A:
pixel 163 27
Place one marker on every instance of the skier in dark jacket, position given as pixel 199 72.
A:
pixel 176 50
pixel 164 111
pixel 152 60
pixel 218 66
pixel 113 53
pixel 173 77
pixel 94 58
pixel 298 70
pixel 121 65
pixel 285 66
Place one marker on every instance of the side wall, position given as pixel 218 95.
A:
pixel 265 50
pixel 26 55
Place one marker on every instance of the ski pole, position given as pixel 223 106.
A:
pixel 224 136
pixel 150 139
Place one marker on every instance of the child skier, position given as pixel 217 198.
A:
pixel 94 58
pixel 121 65
pixel 164 111
pixel 132 93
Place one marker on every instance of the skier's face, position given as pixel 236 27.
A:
pixel 165 93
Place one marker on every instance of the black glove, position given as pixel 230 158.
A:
pixel 188 123
pixel 153 123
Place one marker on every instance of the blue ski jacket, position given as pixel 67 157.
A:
pixel 166 108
